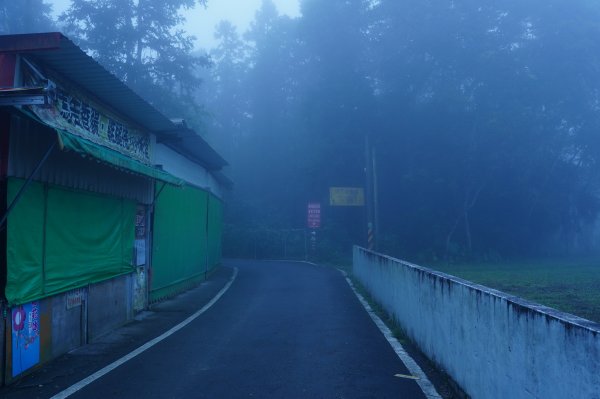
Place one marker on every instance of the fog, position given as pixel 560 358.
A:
pixel 201 20
pixel 482 118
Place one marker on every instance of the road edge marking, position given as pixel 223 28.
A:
pixel 426 386
pixel 107 369
pixel 289 261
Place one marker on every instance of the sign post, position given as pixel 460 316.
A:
pixel 313 221
pixel 313 218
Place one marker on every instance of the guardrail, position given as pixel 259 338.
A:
pixel 492 344
pixel 263 243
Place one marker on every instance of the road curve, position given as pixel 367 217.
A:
pixel 283 330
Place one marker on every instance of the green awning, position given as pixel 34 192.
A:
pixel 84 147
pixel 72 142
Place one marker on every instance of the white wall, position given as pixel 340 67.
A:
pixel 181 167
pixel 492 344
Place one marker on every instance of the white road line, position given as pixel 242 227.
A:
pixel 289 261
pixel 86 381
pixel 426 385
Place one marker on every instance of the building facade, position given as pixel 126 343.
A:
pixel 106 204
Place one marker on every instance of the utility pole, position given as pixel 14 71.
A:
pixel 375 199
pixel 369 194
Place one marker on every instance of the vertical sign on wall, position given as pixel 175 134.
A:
pixel 140 287
pixel 25 337
pixel 140 236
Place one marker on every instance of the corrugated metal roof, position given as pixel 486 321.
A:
pixel 56 52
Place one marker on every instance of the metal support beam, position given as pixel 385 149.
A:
pixel 24 187
pixel 158 193
pixel 15 100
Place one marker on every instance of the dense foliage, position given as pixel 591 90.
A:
pixel 142 43
pixel 485 117
pixel 14 20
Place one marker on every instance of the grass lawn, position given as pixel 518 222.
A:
pixel 567 285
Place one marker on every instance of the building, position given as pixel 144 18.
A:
pixel 106 204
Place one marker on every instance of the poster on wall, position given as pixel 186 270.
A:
pixel 140 236
pixel 140 252
pixel 25 337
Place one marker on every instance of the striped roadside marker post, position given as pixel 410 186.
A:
pixel 370 237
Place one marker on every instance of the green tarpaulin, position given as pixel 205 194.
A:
pixel 25 242
pixel 60 239
pixel 179 251
pixel 215 230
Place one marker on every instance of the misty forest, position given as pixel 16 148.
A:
pixel 483 116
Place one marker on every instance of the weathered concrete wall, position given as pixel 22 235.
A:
pixel 109 305
pixel 68 320
pixel 66 333
pixel 492 344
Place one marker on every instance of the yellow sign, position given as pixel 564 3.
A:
pixel 346 196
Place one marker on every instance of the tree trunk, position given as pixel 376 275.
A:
pixel 468 233
pixel 449 237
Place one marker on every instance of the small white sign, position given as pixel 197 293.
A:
pixel 140 252
pixel 75 298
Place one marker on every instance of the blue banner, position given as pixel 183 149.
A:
pixel 25 337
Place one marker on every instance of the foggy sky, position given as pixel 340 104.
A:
pixel 201 22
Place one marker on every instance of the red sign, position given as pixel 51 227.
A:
pixel 314 215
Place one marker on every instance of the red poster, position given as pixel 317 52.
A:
pixel 314 215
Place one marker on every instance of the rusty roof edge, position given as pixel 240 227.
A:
pixel 30 42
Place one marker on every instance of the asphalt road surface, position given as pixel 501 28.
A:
pixel 282 330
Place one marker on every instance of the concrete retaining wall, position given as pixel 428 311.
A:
pixel 492 344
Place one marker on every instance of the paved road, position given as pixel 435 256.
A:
pixel 283 330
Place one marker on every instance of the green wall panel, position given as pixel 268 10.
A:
pixel 215 231
pixel 179 239
pixel 60 239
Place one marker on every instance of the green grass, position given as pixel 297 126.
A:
pixel 566 285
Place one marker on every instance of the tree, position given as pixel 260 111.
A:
pixel 141 42
pixel 224 93
pixel 272 129
pixel 490 120
pixel 487 141
pixel 25 16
